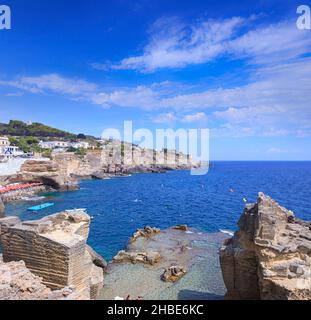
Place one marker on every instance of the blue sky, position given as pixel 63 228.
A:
pixel 241 69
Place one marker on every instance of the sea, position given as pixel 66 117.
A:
pixel 209 203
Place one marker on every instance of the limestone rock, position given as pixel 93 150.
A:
pixel 54 248
pixel 150 257
pixel 269 257
pixel 146 233
pixel 18 283
pixel 49 173
pixel 2 207
pixel 97 259
pixel 173 273
pixel 181 227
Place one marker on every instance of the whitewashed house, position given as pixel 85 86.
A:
pixel 80 145
pixel 7 151
pixel 63 145
pixel 54 144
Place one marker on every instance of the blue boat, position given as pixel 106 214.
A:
pixel 41 206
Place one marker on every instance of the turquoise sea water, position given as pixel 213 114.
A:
pixel 121 205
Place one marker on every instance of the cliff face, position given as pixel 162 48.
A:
pixel 269 257
pixel 110 160
pixel 54 248
pixel 2 208
pixel 18 283
pixel 47 172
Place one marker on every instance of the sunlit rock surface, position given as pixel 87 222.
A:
pixel 18 283
pixel 269 257
pixel 54 248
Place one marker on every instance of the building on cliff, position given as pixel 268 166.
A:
pixel 7 151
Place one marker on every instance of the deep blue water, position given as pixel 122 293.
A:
pixel 121 205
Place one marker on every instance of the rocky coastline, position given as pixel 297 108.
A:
pixel 64 170
pixel 268 258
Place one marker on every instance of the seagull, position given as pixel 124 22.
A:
pixel 245 200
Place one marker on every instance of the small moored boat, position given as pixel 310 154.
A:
pixel 41 206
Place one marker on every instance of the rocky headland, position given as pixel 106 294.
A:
pixel 269 257
pixel 64 170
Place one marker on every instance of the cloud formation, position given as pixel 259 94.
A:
pixel 274 101
pixel 173 44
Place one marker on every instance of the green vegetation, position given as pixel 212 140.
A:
pixel 47 153
pixel 22 129
pixel 79 152
pixel 26 144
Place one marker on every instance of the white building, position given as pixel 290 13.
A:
pixel 7 151
pixel 54 144
pixel 80 145
pixel 63 145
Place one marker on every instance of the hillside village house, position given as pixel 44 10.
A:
pixel 63 145
pixel 8 151
pixel 53 144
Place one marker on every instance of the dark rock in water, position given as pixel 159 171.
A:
pixel 173 273
pixel 146 232
pixel 181 227
pixel 269 257
pixel 97 259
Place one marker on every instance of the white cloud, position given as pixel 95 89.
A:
pixel 274 150
pixel 59 84
pixel 14 94
pixel 275 101
pixel 173 44
pixel 269 44
pixel 165 118
pixel 196 117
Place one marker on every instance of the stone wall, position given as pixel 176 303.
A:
pixel 54 248
pixel 269 257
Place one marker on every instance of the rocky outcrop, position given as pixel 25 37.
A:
pixel 18 283
pixel 49 173
pixel 2 208
pixel 150 257
pixel 181 227
pixel 145 233
pixel 111 160
pixel 173 274
pixel 54 248
pixel 97 259
pixel 269 257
